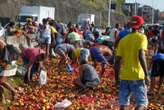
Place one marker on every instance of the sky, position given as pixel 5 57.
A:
pixel 157 4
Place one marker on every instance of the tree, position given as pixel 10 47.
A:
pixel 120 2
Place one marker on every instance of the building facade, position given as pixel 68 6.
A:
pixel 150 14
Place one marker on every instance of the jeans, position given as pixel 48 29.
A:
pixel 136 88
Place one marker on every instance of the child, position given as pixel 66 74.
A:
pixel 88 76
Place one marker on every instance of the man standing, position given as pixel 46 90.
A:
pixel 45 35
pixel 130 57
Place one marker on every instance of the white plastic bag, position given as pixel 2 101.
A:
pixel 64 104
pixel 43 77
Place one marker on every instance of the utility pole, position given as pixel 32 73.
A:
pixel 152 21
pixel 109 12
pixel 135 10
pixel 100 14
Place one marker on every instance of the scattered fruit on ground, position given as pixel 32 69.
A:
pixel 60 87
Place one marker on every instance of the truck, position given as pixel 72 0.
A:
pixel 2 31
pixel 82 18
pixel 36 13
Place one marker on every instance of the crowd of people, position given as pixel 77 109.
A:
pixel 86 46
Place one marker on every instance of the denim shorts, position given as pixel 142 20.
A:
pixel 136 88
pixel 45 40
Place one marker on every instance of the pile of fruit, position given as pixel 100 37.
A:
pixel 60 87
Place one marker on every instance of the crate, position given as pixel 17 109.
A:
pixel 9 72
pixel 21 69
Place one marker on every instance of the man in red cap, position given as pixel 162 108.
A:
pixel 131 68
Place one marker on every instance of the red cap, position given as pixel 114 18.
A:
pixel 136 22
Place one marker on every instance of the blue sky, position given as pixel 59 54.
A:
pixel 158 4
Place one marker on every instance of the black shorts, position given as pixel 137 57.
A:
pixel 158 68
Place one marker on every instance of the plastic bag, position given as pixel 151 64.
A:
pixel 43 77
pixel 64 104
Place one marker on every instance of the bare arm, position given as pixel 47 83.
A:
pixel 117 67
pixel 116 34
pixel 156 47
pixel 142 58
pixel 41 66
pixel 80 71
pixel 29 71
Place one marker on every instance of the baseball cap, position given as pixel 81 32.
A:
pixel 136 22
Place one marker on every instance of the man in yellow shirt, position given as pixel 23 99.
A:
pixel 131 67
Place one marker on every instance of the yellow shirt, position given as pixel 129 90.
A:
pixel 76 53
pixel 53 29
pixel 128 50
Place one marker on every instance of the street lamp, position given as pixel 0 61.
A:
pixel 152 12
pixel 135 12
pixel 109 14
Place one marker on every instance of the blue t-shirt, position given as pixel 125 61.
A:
pixel 158 56
pixel 125 32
